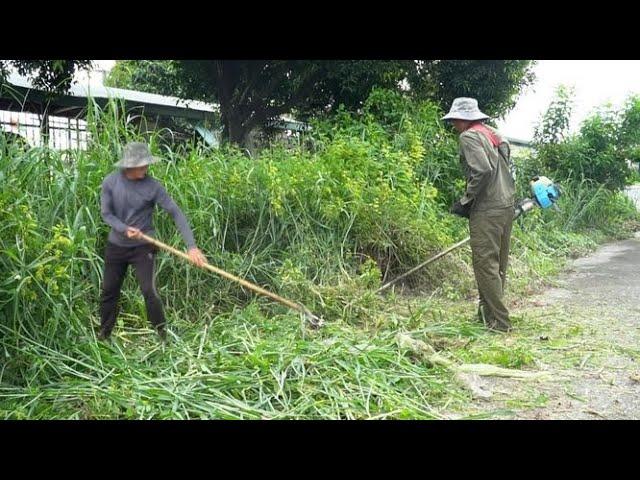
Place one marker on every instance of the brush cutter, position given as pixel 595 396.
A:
pixel 545 194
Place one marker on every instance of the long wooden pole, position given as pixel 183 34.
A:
pixel 295 306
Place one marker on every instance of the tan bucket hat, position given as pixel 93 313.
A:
pixel 465 108
pixel 136 154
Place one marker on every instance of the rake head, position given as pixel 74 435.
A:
pixel 314 321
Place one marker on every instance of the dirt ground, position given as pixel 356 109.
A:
pixel 589 344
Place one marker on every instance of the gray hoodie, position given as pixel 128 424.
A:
pixel 130 203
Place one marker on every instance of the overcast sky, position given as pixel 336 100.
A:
pixel 596 82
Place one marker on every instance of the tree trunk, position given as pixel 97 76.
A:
pixel 245 101
pixel 234 130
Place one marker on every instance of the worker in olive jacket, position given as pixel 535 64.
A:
pixel 488 203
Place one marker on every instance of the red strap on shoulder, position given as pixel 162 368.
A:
pixel 493 138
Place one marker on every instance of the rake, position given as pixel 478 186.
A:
pixel 313 320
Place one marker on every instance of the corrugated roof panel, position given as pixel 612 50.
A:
pixel 98 91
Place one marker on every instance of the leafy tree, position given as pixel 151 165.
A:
pixel 53 76
pixel 554 126
pixel 496 84
pixel 597 152
pixel 629 137
pixel 604 160
pixel 251 93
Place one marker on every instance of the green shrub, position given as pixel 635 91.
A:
pixel 324 226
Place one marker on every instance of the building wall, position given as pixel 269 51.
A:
pixel 64 133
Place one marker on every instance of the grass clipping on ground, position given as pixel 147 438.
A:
pixel 466 374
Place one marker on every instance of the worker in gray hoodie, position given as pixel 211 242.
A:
pixel 128 198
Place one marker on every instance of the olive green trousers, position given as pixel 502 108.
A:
pixel 490 232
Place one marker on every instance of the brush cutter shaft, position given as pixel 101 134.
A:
pixel 424 264
pixel 524 207
pixel 228 276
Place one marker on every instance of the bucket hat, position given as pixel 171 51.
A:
pixel 136 154
pixel 465 108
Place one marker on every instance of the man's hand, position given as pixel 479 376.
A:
pixel 196 256
pixel 461 210
pixel 133 232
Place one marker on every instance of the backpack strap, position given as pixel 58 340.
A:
pixel 496 142
pixel 493 138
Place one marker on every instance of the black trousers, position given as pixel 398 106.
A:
pixel 116 262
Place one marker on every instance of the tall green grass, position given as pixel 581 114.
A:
pixel 323 224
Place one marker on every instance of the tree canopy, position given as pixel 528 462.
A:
pixel 251 93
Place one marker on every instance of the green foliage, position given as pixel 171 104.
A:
pixel 251 93
pixel 53 76
pixel 153 76
pixel 634 177
pixel 418 127
pixel 629 136
pixel 554 126
pixel 602 159
pixel 629 130
pixel 597 153
pixel 496 84
pixel 324 226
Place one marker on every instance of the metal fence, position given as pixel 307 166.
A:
pixel 63 133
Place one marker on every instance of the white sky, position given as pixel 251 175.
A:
pixel 95 77
pixel 596 82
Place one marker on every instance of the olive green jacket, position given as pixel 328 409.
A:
pixel 489 181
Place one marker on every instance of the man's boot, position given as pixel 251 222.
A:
pixel 491 322
pixel 500 325
pixel 103 335
pixel 162 333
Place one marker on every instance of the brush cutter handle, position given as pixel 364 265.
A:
pixel 226 275
pixel 524 206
